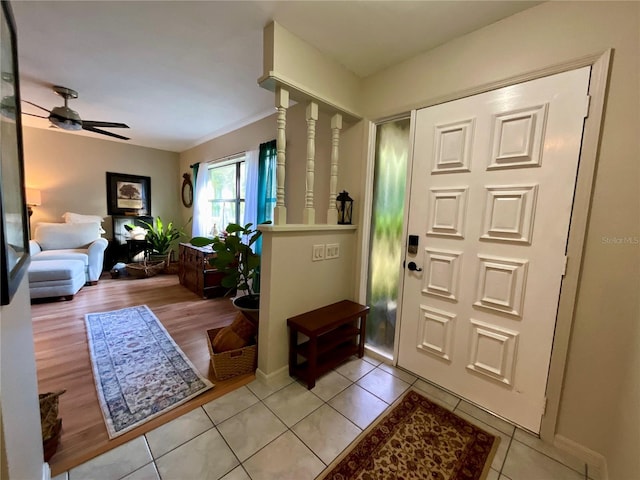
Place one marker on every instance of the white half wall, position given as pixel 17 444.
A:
pixel 293 284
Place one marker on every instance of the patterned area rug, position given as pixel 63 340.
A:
pixel 416 439
pixel 139 370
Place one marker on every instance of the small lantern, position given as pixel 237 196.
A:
pixel 344 204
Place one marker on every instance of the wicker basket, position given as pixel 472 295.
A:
pixel 145 269
pixel 233 362
pixel 50 423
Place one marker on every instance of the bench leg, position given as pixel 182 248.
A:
pixel 313 362
pixel 363 329
pixel 293 356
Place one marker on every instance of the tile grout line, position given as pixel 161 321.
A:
pixel 231 450
pixel 213 425
pixel 290 429
pixel 506 454
pixel 236 413
pixel 544 454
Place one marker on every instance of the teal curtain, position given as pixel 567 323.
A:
pixel 266 193
pixel 266 185
pixel 266 181
pixel 194 168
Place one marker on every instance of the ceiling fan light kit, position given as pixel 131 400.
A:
pixel 68 119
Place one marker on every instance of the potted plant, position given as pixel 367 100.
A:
pixel 160 238
pixel 238 263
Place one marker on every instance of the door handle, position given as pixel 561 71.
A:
pixel 413 267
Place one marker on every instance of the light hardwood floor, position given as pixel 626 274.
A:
pixel 62 355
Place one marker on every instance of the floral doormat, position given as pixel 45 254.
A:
pixel 416 439
pixel 139 370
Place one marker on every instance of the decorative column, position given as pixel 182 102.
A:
pixel 282 103
pixel 336 126
pixel 309 213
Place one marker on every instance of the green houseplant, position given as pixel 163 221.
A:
pixel 160 237
pixel 236 260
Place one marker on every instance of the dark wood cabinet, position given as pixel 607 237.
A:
pixel 196 274
pixel 121 248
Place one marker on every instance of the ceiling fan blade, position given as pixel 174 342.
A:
pixel 35 105
pixel 92 123
pixel 103 132
pixel 34 115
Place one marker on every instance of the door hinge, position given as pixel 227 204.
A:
pixel 564 266
pixel 544 406
pixel 587 103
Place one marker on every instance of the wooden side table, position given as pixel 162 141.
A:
pixel 335 333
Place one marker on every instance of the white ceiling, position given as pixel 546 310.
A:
pixel 180 72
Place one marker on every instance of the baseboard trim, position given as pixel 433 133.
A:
pixel 273 377
pixel 46 471
pixel 596 462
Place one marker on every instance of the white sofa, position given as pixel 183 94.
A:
pixel 70 241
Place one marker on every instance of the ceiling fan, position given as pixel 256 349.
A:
pixel 68 119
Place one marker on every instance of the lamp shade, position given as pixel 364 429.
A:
pixel 34 198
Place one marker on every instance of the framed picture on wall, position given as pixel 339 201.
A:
pixel 14 224
pixel 128 194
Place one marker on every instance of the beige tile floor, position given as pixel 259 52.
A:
pixel 285 431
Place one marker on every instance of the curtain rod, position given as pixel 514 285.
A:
pixel 221 159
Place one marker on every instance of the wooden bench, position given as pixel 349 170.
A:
pixel 335 333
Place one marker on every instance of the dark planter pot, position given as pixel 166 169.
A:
pixel 249 305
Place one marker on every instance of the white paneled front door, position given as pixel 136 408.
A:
pixel 490 203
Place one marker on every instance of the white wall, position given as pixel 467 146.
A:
pixel 292 284
pixel 599 406
pixel 70 170
pixel 19 405
pixel 297 63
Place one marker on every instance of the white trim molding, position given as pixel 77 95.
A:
pixel 594 460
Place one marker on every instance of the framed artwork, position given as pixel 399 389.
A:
pixel 128 194
pixel 14 227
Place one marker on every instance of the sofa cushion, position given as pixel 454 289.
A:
pixel 53 236
pixel 67 254
pixel 55 271
pixel 70 217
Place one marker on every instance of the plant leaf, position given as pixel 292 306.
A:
pixel 233 228
pixel 201 241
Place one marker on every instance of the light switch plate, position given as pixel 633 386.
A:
pixel 333 250
pixel 317 253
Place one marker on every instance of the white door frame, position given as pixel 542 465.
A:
pixel 589 151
